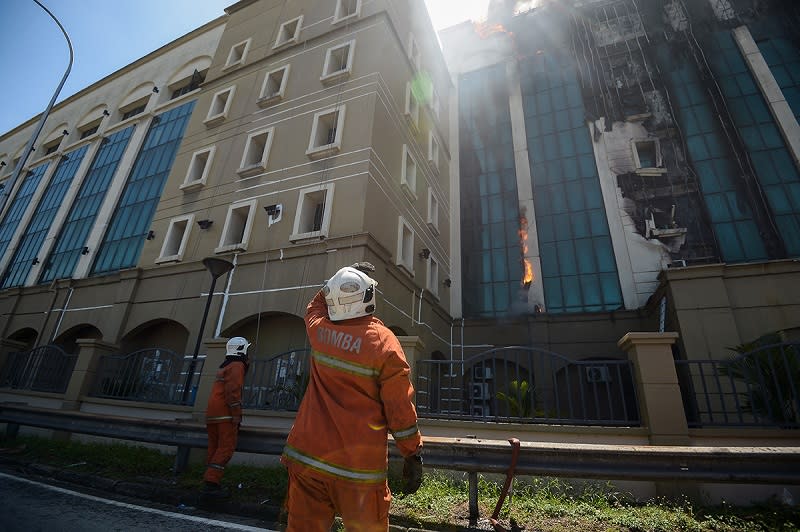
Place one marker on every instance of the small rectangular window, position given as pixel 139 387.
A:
pixel 289 32
pixel 87 130
pixel 405 246
pixel 326 133
pixel 238 54
pixel 433 211
pixel 137 109
pixel 256 152
pixel 188 85
pixel 174 245
pixel 238 226
pixel 274 87
pixel 433 151
pixel 220 105
pixel 312 219
pixel 346 9
pixel 414 54
pixel 199 167
pixel 52 147
pixel 647 154
pixel 338 62
pixel 412 106
pixel 408 173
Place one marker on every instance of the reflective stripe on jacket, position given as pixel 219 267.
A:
pixel 225 401
pixel 358 392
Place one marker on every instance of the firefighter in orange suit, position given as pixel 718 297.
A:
pixel 224 414
pixel 358 392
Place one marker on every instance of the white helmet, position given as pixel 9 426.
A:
pixel 350 293
pixel 237 347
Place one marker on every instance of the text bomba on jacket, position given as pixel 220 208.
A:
pixel 340 340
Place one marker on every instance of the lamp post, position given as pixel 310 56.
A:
pixel 217 268
pixel 5 193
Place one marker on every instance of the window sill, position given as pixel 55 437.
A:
pixel 333 77
pixel 170 258
pixel 433 227
pixel 299 238
pixel 266 101
pixel 214 120
pixel 345 18
pixel 232 66
pixel 404 267
pixel 410 192
pixel 324 151
pixel 239 246
pixel 650 171
pixel 278 45
pixel 251 170
pixel 192 186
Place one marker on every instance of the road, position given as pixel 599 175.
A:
pixel 32 506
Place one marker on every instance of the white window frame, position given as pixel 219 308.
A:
pixel 405 250
pixel 301 213
pixel 408 175
pixel 88 126
pixel 283 39
pixel 234 217
pixel 217 118
pixel 240 50
pixel 265 99
pixel 414 52
pixel 432 276
pixel 337 14
pixel 435 104
pixel 171 243
pixel 412 106
pixel 657 155
pixel 331 77
pixel 315 151
pixel 204 156
pixel 433 211
pixel 433 151
pixel 248 169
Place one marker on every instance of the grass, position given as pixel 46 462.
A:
pixel 441 502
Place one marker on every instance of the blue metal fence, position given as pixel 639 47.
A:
pixel 46 368
pixel 277 382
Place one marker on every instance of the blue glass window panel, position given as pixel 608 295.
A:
pixel 571 288
pixel 19 205
pixel 609 284
pixel 580 224
pixel 501 297
pixel 592 296
pixel 566 257
pixel 597 222
pixel 585 254
pixel 499 267
pixel 134 213
pixel 555 299
pixel 563 227
pixel 31 241
pixel 545 230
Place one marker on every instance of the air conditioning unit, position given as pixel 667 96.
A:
pixel 481 373
pixel 480 390
pixel 597 374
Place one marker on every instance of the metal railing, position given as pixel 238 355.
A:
pixel 758 388
pixel 528 385
pixel 153 375
pixel 46 368
pixel 278 382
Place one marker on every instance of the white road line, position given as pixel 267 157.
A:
pixel 195 519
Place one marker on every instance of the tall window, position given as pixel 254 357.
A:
pixel 137 205
pixel 579 269
pixel 31 242
pixel 491 257
pixel 71 240
pixel 20 204
pixel 313 215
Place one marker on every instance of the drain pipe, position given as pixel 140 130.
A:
pixel 225 297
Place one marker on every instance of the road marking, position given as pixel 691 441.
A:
pixel 195 519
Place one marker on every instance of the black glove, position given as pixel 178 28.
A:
pixel 412 473
pixel 365 267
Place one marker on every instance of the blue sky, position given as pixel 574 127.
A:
pixel 106 35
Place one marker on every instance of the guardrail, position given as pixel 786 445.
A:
pixel 765 465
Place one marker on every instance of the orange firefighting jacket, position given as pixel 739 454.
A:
pixel 358 392
pixel 225 401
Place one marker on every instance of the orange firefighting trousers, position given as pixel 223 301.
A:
pixel 313 501
pixel 221 444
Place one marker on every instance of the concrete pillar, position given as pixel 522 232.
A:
pixel 660 401
pixel 84 374
pixel 215 355
pixel 414 349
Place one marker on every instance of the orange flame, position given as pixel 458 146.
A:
pixel 527 277
pixel 484 29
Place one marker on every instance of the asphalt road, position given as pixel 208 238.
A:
pixel 32 506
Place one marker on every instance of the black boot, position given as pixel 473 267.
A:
pixel 213 489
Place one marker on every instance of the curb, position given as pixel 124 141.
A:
pixel 157 490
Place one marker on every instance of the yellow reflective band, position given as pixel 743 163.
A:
pixel 343 365
pixel 218 418
pixel 405 433
pixel 357 475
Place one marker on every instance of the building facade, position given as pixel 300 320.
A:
pixel 288 138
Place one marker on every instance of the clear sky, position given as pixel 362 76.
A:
pixel 106 35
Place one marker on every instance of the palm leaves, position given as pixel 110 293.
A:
pixel 518 398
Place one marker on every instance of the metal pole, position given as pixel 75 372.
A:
pixel 190 373
pixel 5 193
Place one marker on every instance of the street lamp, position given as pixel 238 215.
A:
pixel 217 268
pixel 5 193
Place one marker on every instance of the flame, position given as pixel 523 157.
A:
pixel 485 29
pixel 527 277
